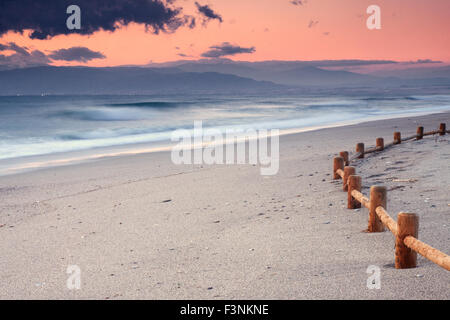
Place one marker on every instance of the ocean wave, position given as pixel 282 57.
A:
pixel 322 107
pixel 390 98
pixel 433 98
pixel 150 104
pixel 68 125
pixel 116 133
pixel 103 114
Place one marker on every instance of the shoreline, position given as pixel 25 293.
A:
pixel 140 227
pixel 70 157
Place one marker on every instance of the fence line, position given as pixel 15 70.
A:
pixel 361 198
pixel 406 228
pixel 360 152
pixel 428 252
pixel 387 220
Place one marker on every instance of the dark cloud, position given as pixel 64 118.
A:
pixel 80 54
pixel 312 24
pixel 48 18
pixel 226 49
pixel 298 2
pixel 424 61
pixel 347 63
pixel 14 47
pixel 23 57
pixel 208 13
pixel 192 23
pixel 183 55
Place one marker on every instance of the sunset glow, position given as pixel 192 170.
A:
pixel 277 29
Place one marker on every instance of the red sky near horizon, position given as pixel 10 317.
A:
pixel 279 30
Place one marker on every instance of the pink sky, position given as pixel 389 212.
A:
pixel 411 30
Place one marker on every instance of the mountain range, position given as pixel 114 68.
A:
pixel 217 75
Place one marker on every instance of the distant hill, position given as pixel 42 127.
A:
pixel 319 74
pixel 417 73
pixel 220 76
pixel 121 80
pixel 293 73
pixel 314 76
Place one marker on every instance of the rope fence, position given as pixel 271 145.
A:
pixel 406 228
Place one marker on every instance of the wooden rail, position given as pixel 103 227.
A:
pixel 387 220
pixel 361 198
pixel 406 228
pixel 428 252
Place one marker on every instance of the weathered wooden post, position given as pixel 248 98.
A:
pixel 380 144
pixel 354 183
pixel 338 163
pixel 407 225
pixel 344 155
pixel 360 149
pixel 397 137
pixel 348 171
pixel 442 129
pixel 419 133
pixel 378 197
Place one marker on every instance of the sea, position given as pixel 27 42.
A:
pixel 39 131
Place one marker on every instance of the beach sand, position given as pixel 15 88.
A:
pixel 227 231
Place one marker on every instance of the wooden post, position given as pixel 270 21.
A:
pixel 348 171
pixel 344 155
pixel 378 197
pixel 338 163
pixel 397 137
pixel 442 129
pixel 408 225
pixel 419 133
pixel 360 149
pixel 354 183
pixel 380 144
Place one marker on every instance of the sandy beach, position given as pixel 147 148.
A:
pixel 140 227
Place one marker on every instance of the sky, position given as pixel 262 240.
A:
pixel 33 33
